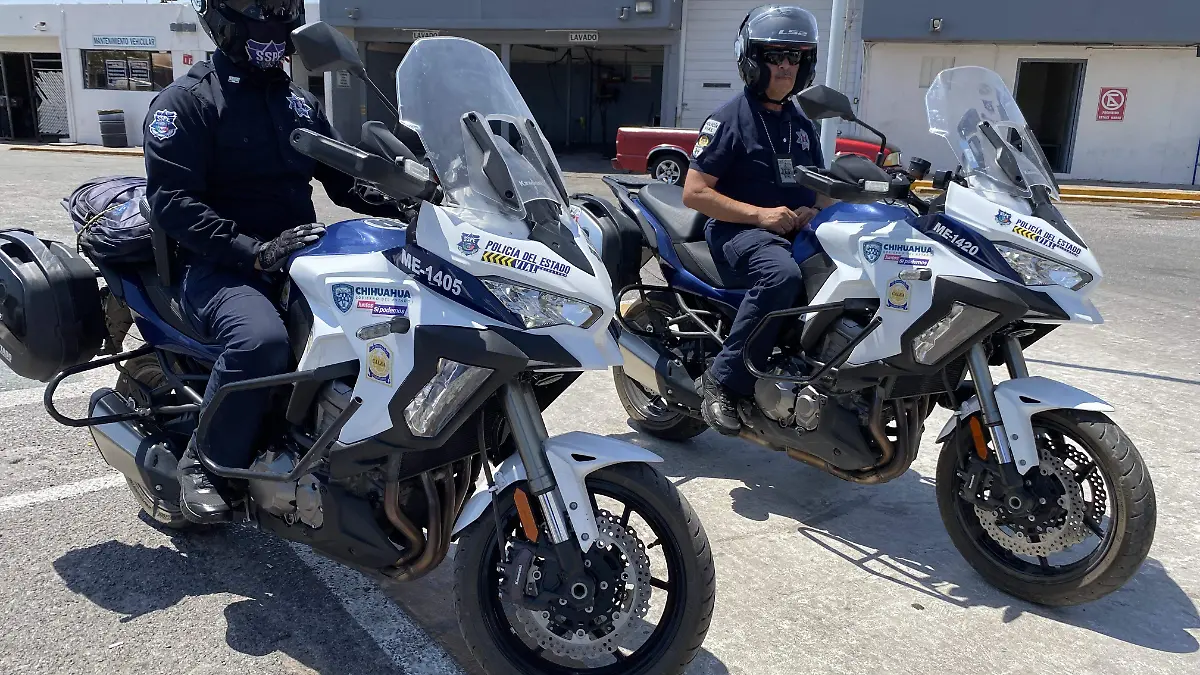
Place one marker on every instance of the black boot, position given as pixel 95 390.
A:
pixel 199 498
pixel 719 408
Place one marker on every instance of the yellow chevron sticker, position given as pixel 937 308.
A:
pixel 1028 234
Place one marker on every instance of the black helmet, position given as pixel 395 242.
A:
pixel 257 32
pixel 778 27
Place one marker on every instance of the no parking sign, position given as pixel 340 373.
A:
pixel 1111 107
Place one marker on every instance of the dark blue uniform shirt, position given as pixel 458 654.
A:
pixel 738 145
pixel 221 174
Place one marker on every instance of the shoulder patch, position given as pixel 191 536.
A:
pixel 300 106
pixel 710 127
pixel 163 125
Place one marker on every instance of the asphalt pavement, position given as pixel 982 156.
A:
pixel 814 575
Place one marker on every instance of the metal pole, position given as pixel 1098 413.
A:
pixel 833 73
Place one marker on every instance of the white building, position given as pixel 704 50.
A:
pixel 1112 90
pixel 60 64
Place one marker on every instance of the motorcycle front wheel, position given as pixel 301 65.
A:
pixel 652 562
pixel 1092 527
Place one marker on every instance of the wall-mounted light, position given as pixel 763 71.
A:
pixel 41 25
pixel 935 25
pixel 623 13
pixel 644 6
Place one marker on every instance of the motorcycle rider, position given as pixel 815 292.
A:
pixel 742 177
pixel 224 184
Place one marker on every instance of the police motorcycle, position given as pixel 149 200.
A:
pixel 425 353
pixel 1041 492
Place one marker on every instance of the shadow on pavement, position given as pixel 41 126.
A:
pixel 1114 371
pixel 895 532
pixel 284 608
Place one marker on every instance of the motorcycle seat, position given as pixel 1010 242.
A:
pixel 665 202
pixel 166 303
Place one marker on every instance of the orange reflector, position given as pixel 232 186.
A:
pixel 526 514
pixel 977 433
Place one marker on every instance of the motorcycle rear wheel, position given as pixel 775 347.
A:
pixel 1130 515
pixel 647 411
pixel 146 371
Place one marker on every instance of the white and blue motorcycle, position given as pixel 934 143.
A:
pixel 426 350
pixel 1041 492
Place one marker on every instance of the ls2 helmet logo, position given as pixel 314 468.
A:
pixel 343 297
pixel 871 250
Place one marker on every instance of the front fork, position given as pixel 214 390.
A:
pixel 529 433
pixel 985 389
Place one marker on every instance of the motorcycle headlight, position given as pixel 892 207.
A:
pixel 443 396
pixel 959 324
pixel 539 308
pixel 1038 271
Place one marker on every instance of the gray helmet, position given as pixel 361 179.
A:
pixel 782 27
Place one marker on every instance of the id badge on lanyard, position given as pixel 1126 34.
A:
pixel 784 170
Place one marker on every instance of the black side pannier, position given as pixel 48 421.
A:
pixel 108 221
pixel 51 314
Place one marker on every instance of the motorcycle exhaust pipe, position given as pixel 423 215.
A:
pixel 139 456
pixel 657 372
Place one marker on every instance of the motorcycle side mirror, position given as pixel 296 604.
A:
pixel 377 139
pixel 821 103
pixel 323 48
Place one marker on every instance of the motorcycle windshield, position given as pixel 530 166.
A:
pixel 974 111
pixel 488 152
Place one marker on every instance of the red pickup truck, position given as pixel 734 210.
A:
pixel 664 153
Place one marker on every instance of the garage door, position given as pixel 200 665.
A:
pixel 710 76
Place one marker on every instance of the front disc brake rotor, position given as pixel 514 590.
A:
pixel 1057 536
pixel 630 601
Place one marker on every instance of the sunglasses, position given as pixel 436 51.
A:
pixel 776 57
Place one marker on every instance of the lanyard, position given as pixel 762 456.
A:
pixel 767 131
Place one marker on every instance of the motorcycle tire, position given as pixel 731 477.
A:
pixel 147 371
pixel 1120 552
pixel 494 642
pixel 654 420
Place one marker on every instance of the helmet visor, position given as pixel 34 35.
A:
pixel 266 10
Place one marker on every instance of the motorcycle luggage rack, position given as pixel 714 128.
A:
pixel 823 369
pixel 320 448
pixel 140 413
pixel 693 314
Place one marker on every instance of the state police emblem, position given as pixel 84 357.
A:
pixel 343 297
pixel 163 126
pixel 871 250
pixel 469 244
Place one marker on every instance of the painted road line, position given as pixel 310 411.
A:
pixel 77 387
pixel 408 645
pixel 61 492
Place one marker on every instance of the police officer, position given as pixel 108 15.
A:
pixel 224 183
pixel 743 176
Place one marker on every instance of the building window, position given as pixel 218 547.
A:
pixel 126 70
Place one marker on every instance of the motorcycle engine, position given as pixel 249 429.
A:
pixel 789 404
pixel 301 500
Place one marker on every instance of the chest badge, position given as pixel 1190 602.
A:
pixel 300 107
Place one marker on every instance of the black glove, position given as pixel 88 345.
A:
pixel 274 253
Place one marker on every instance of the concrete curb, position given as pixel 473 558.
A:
pixel 1102 193
pixel 1077 194
pixel 79 150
